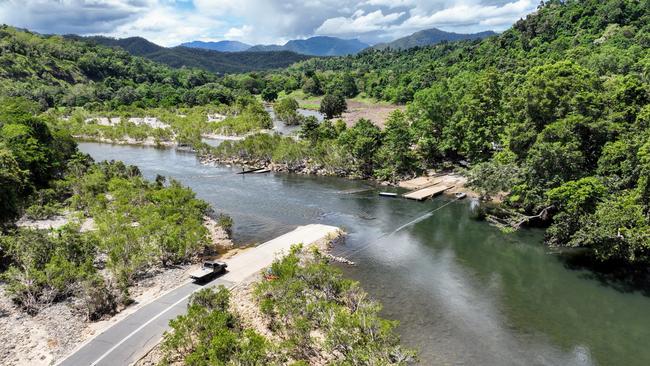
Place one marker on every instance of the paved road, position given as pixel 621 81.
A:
pixel 129 339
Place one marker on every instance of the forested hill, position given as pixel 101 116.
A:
pixel 210 60
pixel 429 37
pixel 55 71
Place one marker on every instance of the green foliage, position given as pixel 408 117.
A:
pixel 225 222
pixel 209 334
pixel 13 181
pixel 252 118
pixel 139 224
pixel 286 110
pixel 396 157
pixel 362 141
pixel 46 268
pixel 617 230
pixel 269 95
pixel 309 129
pixel 31 154
pixel 306 295
pixel 68 72
pixel 333 105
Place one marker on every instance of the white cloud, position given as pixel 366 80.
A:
pixel 358 23
pixel 239 33
pixel 465 14
pixel 169 22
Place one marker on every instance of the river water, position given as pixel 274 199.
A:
pixel 464 293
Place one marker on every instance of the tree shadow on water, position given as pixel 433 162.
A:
pixel 618 275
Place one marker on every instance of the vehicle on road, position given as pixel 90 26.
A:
pixel 208 270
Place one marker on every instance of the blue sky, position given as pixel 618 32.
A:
pixel 170 22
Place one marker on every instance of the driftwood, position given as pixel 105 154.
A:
pixel 514 220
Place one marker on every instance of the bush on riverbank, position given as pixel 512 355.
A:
pixel 184 126
pixel 210 334
pixel 311 315
pixel 314 309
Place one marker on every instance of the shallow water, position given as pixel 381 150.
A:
pixel 464 292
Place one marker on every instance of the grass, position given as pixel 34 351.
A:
pixel 312 102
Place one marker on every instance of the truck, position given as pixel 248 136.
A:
pixel 208 270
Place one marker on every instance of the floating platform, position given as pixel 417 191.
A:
pixel 424 193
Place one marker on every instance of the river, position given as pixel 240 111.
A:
pixel 464 293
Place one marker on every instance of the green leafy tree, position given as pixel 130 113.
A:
pixel 333 105
pixel 309 129
pixel 269 94
pixel 396 157
pixel 286 109
pixel 362 141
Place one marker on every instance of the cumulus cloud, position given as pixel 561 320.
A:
pixel 359 22
pixel 169 22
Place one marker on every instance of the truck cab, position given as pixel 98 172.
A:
pixel 208 270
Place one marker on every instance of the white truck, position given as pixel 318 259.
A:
pixel 208 270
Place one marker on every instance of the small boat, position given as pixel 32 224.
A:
pixel 388 194
pixel 460 195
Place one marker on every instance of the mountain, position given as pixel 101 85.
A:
pixel 214 61
pixel 429 37
pixel 317 46
pixel 221 46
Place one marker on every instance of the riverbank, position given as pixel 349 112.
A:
pixel 60 327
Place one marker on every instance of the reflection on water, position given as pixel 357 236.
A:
pixel 464 292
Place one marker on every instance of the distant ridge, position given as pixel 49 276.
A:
pixel 221 46
pixel 317 46
pixel 209 60
pixel 429 37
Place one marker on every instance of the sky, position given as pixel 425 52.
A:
pixel 171 22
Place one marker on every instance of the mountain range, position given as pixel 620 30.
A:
pixel 210 60
pixel 429 37
pixel 234 56
pixel 333 46
pixel 221 46
pixel 317 46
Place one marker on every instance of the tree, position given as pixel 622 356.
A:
pixel 12 183
pixel 333 105
pixel 396 156
pixel 618 230
pixel 574 200
pixel 269 94
pixel 430 112
pixel 309 129
pixel 286 109
pixel 362 142
pixel 312 86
